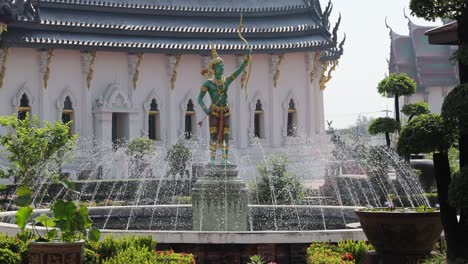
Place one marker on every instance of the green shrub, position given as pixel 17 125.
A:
pixel 8 257
pixel 91 257
pixel 357 248
pixel 458 189
pixel 323 253
pixel 177 157
pixel 138 147
pixel 132 254
pixel 109 246
pixel 277 185
pixel 15 245
pixel 169 257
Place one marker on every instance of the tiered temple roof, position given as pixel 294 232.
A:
pixel 178 26
pixel 429 65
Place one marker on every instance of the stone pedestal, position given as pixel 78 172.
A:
pixel 219 199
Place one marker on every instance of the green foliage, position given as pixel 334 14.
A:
pixel 357 248
pixel 415 109
pixel 455 107
pixel 139 147
pixel 22 216
pixel 324 253
pixel 169 257
pixel 383 125
pixel 256 259
pixel 16 246
pixel 454 159
pixel 458 189
pixel 397 84
pixel 29 146
pixel 178 156
pixel 425 134
pixel 276 185
pixel 434 9
pixel 437 259
pixel 8 257
pixel 91 257
pixel 109 246
pixel 132 254
pixel 23 196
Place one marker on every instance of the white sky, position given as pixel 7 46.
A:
pixel 352 91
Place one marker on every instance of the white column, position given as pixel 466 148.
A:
pixel 276 115
pixel 242 112
pixel 172 120
pixel 205 133
pixel 42 95
pixel 310 86
pixel 103 127
pixel 132 64
pixel 86 102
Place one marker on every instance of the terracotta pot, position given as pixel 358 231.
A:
pixel 401 233
pixel 56 252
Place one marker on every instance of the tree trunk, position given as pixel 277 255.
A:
pixel 387 138
pixel 463 44
pixel 448 214
pixel 397 108
pixel 463 72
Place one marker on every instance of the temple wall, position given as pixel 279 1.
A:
pixel 112 91
pixel 434 96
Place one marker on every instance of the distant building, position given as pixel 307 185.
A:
pixel 121 69
pixel 429 65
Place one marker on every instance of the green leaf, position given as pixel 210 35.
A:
pixel 69 185
pixel 45 220
pixel 94 234
pixel 22 216
pixel 24 196
pixel 63 210
pixel 52 234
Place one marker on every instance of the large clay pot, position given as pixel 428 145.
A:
pixel 56 252
pixel 401 233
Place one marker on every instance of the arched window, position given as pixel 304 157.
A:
pixel 67 113
pixel 292 116
pixel 258 120
pixel 24 107
pixel 153 121
pixel 189 120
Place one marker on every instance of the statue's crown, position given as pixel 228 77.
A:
pixel 215 59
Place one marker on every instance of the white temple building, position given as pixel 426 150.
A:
pixel 121 69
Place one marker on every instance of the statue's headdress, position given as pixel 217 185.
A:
pixel 215 59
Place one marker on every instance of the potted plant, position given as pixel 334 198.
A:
pixel 401 233
pixel 66 228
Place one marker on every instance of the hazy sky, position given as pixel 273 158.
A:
pixel 352 91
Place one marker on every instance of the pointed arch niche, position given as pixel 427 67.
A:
pixel 153 118
pixel 68 110
pixel 189 116
pixel 291 118
pixel 258 125
pixel 23 102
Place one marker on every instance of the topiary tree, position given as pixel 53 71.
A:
pixel 140 147
pixel 432 133
pixel 455 111
pixel 178 156
pixel 31 147
pixel 140 151
pixel 412 110
pixel 384 125
pixel 397 84
pixel 276 184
